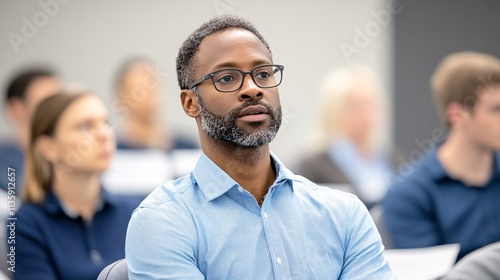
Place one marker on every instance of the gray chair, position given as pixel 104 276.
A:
pixel 377 213
pixel 484 264
pixel 115 271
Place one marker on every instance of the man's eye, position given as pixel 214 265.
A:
pixel 263 75
pixel 226 79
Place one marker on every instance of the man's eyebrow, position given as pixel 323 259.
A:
pixel 235 65
pixel 261 62
pixel 225 65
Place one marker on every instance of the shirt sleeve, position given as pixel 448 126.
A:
pixel 364 258
pixel 161 245
pixel 32 257
pixel 409 218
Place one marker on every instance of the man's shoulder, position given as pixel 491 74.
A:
pixel 332 205
pixel 169 193
pixel 416 186
pixel 420 174
pixel 318 193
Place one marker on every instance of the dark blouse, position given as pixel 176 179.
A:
pixel 51 243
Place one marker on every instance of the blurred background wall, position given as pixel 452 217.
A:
pixel 85 41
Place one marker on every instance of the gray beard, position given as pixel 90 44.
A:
pixel 225 128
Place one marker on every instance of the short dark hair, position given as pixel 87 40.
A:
pixel 185 59
pixel 21 82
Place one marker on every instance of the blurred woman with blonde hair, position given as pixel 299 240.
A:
pixel 351 138
pixel 69 227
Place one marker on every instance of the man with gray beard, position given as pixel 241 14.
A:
pixel 241 214
pixel 225 128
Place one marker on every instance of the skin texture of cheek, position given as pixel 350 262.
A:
pixel 491 133
pixel 482 131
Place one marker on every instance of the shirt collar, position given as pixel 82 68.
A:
pixel 214 182
pixel 53 205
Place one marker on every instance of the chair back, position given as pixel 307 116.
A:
pixel 115 271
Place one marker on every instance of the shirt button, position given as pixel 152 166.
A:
pixel 265 215
pixel 241 189
pixel 278 260
pixel 95 256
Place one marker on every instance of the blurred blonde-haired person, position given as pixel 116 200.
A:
pixel 351 139
pixel 69 227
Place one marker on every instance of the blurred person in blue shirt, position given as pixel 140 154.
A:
pixel 454 195
pixel 241 214
pixel 24 92
pixel 69 227
pixel 351 139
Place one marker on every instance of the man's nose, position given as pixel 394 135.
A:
pixel 249 90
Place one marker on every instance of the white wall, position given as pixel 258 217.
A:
pixel 87 40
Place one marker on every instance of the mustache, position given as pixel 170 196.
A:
pixel 235 112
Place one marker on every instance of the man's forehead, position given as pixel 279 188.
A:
pixel 489 91
pixel 223 43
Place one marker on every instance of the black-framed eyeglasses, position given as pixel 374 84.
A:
pixel 230 80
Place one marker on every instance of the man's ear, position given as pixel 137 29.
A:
pixel 455 114
pixel 189 103
pixel 46 146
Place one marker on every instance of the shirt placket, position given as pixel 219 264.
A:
pixel 94 254
pixel 273 238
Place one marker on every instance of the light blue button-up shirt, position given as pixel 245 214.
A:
pixel 206 226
